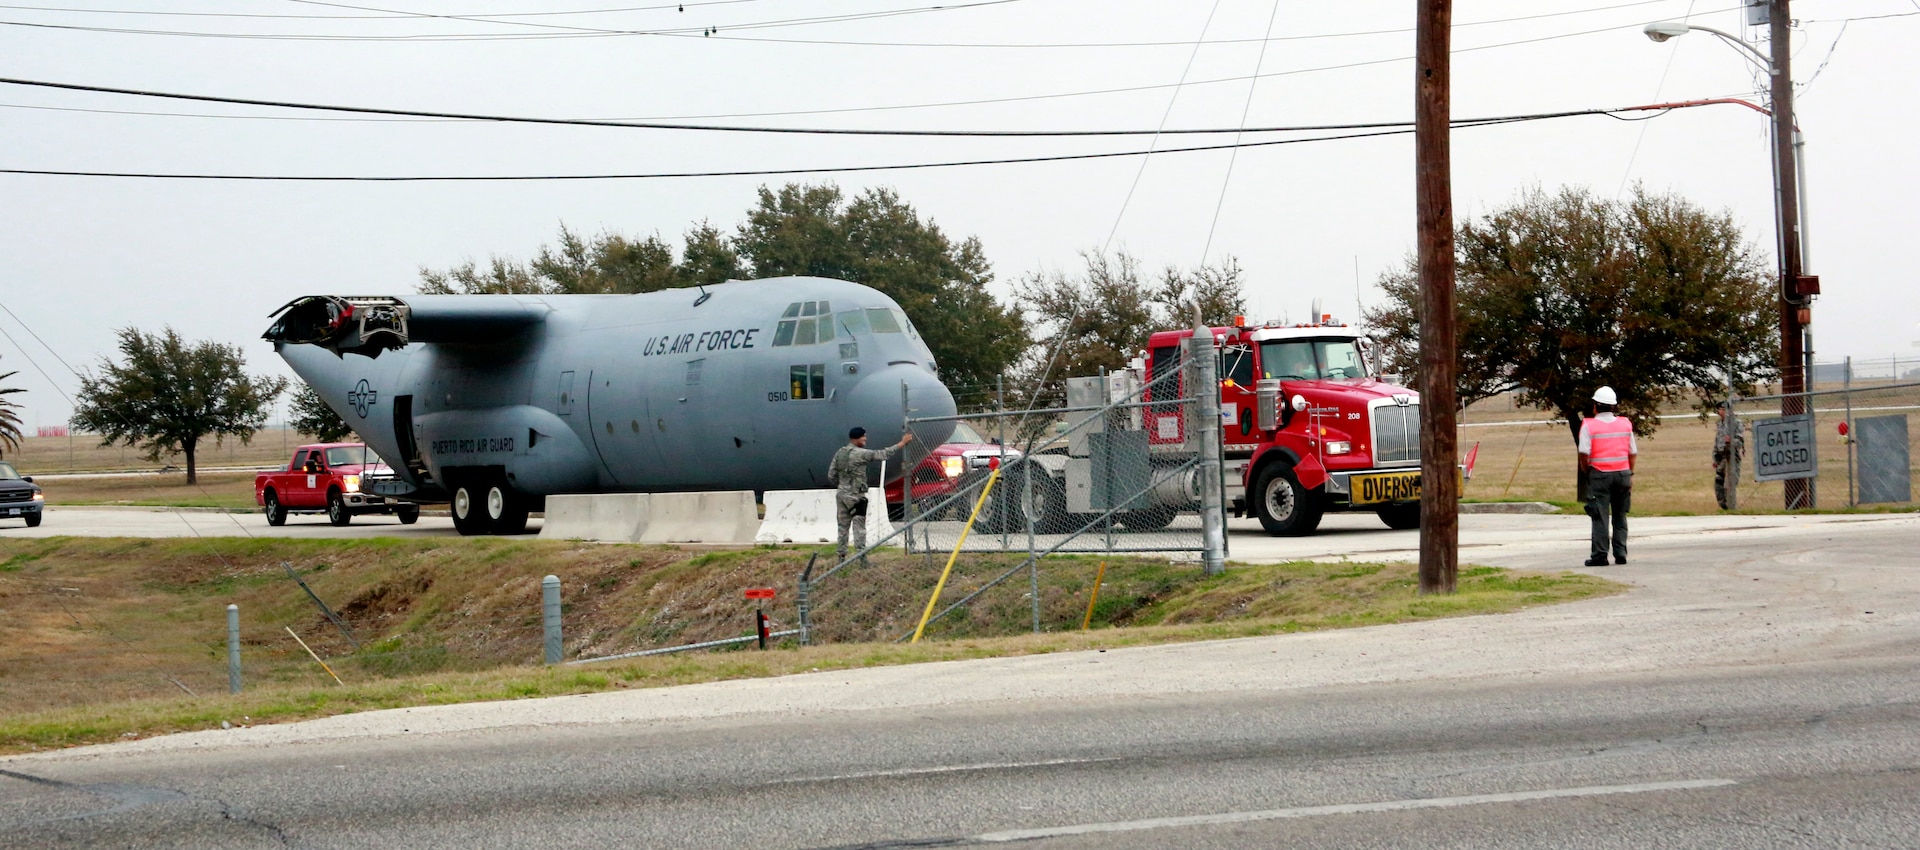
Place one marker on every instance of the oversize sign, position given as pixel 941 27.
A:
pixel 1784 448
pixel 1388 487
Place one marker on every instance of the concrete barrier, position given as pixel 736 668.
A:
pixel 807 517
pixel 722 517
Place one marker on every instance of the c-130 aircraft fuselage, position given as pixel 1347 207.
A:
pixel 493 402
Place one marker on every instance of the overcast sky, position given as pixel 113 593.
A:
pixel 83 256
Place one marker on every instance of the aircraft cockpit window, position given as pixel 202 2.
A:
pixel 855 322
pixel 883 321
pixel 805 323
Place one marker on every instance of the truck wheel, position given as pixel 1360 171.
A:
pixel 1401 517
pixel 468 516
pixel 33 520
pixel 1284 507
pixel 337 512
pixel 1043 502
pixel 506 510
pixel 276 514
pixel 408 514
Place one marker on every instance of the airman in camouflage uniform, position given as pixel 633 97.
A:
pixel 848 473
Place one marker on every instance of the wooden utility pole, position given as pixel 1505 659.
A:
pixel 1793 365
pixel 1439 401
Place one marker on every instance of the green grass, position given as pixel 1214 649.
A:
pixel 99 629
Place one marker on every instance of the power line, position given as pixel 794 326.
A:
pixel 769 172
pixel 723 31
pixel 652 125
pixel 391 16
pixel 561 30
pixel 656 122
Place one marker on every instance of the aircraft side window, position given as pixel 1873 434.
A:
pixel 826 326
pixel 792 311
pixel 811 308
pixel 806 380
pixel 694 368
pixel 783 335
pixel 807 333
pixel 854 322
pixel 797 382
pixel 818 374
pixel 883 321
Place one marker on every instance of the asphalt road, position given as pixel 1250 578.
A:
pixel 1759 688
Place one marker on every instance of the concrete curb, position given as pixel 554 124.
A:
pixel 1508 508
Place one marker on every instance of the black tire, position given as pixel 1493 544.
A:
pixel 1151 519
pixel 506 510
pixel 276 514
pixel 1284 507
pixel 1401 517
pixel 33 520
pixel 337 511
pixel 469 516
pixel 408 514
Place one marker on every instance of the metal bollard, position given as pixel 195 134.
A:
pixel 550 613
pixel 233 649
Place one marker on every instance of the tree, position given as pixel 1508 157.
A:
pixel 169 395
pixel 879 240
pixel 608 263
pixel 311 415
pixel 1103 318
pixel 1560 294
pixel 10 435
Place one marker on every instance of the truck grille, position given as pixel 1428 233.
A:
pixel 1396 433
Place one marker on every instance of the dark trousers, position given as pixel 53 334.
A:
pixel 1609 493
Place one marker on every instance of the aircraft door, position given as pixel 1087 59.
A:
pixel 600 435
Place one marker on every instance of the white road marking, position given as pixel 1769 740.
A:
pixel 1346 809
pixel 929 771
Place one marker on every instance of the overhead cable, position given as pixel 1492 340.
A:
pixel 773 172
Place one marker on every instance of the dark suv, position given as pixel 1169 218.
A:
pixel 19 496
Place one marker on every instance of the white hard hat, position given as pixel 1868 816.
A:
pixel 1605 395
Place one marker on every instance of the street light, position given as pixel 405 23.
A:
pixel 1796 288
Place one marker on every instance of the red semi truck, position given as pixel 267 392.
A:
pixel 1308 425
pixel 327 478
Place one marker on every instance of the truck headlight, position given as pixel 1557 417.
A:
pixel 351 483
pixel 39 497
pixel 953 466
pixel 1339 447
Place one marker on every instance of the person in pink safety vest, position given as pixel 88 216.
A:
pixel 1607 453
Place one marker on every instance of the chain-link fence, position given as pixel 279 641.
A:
pixel 1117 465
pixel 1849 444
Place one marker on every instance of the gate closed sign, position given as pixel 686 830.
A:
pixel 1784 448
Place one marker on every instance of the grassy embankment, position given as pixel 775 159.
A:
pixel 104 636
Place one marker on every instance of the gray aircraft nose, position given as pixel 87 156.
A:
pixel 875 403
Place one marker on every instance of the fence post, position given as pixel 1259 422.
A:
pixel 1206 398
pixel 806 601
pixel 233 649
pixel 550 613
pixel 1848 385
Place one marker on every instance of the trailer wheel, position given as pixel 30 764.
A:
pixel 1401 517
pixel 506 510
pixel 1285 508
pixel 468 517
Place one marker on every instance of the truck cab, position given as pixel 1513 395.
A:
pixel 1308 424
pixel 328 478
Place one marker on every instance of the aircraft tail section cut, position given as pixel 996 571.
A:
pixel 371 324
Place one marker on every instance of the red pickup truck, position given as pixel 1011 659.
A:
pixel 326 477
